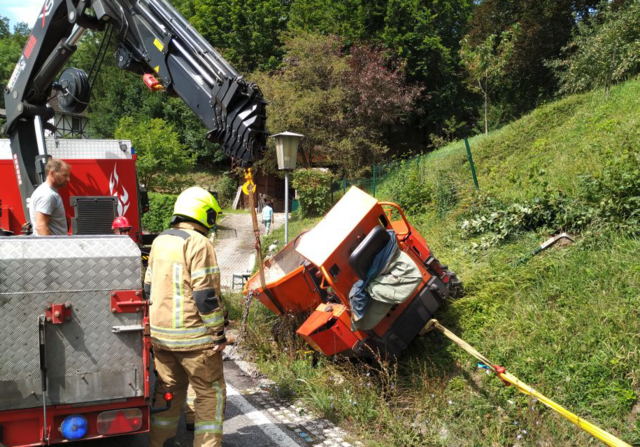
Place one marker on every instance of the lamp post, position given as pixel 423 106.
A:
pixel 287 154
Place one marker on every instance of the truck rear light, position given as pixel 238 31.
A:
pixel 74 427
pixel 119 421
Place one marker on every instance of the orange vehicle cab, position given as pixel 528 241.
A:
pixel 315 273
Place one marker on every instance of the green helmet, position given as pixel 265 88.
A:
pixel 198 204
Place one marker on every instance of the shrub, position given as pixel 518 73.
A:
pixel 314 191
pixel 407 188
pixel 496 222
pixel 417 186
pixel 610 199
pixel 226 187
pixel 160 211
pixel 616 192
pixel 158 148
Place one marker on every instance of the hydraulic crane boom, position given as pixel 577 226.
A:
pixel 153 40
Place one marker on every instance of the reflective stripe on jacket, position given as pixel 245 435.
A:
pixel 183 283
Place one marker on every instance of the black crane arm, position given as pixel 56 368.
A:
pixel 154 40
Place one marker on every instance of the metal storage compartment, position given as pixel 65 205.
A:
pixel 87 360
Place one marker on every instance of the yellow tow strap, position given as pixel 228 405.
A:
pixel 595 431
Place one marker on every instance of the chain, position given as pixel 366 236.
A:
pixel 245 315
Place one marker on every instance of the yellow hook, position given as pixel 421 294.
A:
pixel 249 185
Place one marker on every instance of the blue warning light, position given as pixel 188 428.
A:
pixel 74 427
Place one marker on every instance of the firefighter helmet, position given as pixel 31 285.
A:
pixel 120 222
pixel 198 204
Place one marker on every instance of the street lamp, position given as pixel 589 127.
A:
pixel 287 154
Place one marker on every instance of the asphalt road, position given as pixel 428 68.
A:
pixel 245 424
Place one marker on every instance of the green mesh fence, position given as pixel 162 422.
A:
pixel 426 168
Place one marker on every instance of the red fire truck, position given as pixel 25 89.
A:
pixel 75 357
pixel 74 346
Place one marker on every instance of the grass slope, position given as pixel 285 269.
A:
pixel 565 321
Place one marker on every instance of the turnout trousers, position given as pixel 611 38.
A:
pixel 190 410
pixel 176 371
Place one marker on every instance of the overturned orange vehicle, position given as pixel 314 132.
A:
pixel 369 282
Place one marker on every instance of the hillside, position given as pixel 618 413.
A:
pixel 565 321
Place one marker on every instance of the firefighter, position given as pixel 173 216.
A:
pixel 188 320
pixel 46 210
pixel 121 225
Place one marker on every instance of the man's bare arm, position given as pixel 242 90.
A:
pixel 42 224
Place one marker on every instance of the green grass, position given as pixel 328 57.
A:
pixel 567 321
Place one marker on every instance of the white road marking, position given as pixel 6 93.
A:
pixel 279 437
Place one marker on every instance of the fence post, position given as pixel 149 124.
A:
pixel 344 186
pixel 374 180
pixel 473 168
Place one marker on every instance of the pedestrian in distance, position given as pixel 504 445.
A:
pixel 267 216
pixel 46 210
pixel 188 321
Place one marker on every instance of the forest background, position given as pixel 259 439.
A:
pixel 363 80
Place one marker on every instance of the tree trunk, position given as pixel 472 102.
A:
pixel 486 113
pixel 485 92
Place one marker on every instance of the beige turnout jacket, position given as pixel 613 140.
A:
pixel 183 285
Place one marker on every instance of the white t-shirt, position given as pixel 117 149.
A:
pixel 46 200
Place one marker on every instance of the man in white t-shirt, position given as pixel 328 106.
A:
pixel 46 210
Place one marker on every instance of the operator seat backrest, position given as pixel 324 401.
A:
pixel 362 257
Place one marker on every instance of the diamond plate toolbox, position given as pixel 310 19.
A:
pixel 86 361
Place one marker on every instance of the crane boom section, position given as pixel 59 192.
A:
pixel 153 39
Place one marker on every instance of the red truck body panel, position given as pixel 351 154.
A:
pixel 89 177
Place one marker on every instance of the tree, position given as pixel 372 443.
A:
pixel 247 32
pixel 486 62
pixel 11 45
pixel 377 87
pixel 426 35
pixel 340 101
pixel 353 20
pixel 603 52
pixel 546 26
pixel 157 146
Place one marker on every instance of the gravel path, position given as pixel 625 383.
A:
pixel 235 242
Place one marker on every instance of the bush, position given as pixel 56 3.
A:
pixel 616 192
pixel 611 199
pixel 407 188
pixel 158 148
pixel 496 222
pixel 314 191
pixel 160 211
pixel 417 186
pixel 226 187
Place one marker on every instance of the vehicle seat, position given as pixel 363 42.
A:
pixel 362 257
